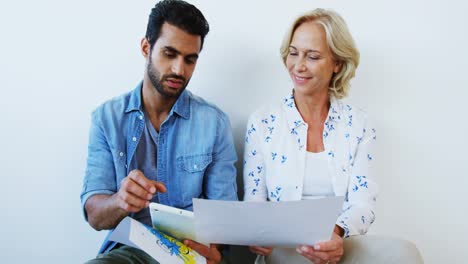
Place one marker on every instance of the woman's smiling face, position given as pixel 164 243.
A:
pixel 310 62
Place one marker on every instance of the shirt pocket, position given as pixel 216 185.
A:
pixel 191 169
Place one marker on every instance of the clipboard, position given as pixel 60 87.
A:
pixel 173 221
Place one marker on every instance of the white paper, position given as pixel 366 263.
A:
pixel 175 222
pixel 285 224
pixel 161 247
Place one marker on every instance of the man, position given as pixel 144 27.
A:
pixel 158 143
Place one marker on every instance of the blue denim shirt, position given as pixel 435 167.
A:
pixel 195 153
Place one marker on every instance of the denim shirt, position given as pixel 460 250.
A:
pixel 195 153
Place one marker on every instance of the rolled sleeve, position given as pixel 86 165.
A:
pixel 100 170
pixel 359 207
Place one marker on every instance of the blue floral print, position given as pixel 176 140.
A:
pixel 273 118
pixel 276 194
pixel 256 181
pixel 259 169
pixel 273 155
pixel 283 159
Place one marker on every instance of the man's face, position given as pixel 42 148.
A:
pixel 172 60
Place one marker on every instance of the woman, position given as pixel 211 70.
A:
pixel 312 144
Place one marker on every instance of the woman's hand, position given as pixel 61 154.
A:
pixel 264 251
pixel 324 252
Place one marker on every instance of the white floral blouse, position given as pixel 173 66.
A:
pixel 275 155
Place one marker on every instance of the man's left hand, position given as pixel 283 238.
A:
pixel 212 254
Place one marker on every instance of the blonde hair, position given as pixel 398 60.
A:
pixel 339 41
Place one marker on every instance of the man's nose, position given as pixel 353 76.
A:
pixel 178 66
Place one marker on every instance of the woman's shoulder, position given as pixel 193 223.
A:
pixel 267 112
pixel 354 117
pixel 345 109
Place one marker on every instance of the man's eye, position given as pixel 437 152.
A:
pixel 190 61
pixel 292 53
pixel 169 54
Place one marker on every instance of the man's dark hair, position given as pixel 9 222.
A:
pixel 177 13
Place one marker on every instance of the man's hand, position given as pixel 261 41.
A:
pixel 136 192
pixel 212 254
pixel 264 251
pixel 324 252
pixel 106 211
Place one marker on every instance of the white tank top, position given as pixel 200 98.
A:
pixel 317 182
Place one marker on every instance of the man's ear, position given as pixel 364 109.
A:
pixel 145 47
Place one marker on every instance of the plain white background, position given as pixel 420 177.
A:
pixel 61 59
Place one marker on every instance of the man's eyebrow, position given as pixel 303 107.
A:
pixel 171 49
pixel 190 56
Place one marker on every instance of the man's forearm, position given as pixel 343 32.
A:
pixel 103 211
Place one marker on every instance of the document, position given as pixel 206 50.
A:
pixel 161 247
pixel 283 224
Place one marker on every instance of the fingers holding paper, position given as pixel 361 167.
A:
pixel 136 191
pixel 324 252
pixel 263 251
pixel 211 253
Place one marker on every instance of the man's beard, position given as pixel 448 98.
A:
pixel 157 81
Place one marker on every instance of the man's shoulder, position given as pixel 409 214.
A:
pixel 114 106
pixel 201 106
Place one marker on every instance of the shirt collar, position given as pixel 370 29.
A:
pixel 294 117
pixel 134 102
pixel 334 111
pixel 181 106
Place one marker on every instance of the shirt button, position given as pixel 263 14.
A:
pixel 195 166
pixel 141 117
pixel 134 138
pixel 121 154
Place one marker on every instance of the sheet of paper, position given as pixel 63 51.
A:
pixel 161 247
pixel 285 224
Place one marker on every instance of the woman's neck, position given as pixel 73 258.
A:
pixel 313 108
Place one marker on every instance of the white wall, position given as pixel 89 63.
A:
pixel 59 60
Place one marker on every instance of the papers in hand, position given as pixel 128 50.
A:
pixel 285 224
pixel 173 221
pixel 161 247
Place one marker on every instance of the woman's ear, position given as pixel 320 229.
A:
pixel 337 67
